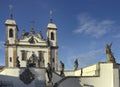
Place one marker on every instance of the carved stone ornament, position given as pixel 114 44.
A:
pixel 27 76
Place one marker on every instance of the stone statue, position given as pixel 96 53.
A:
pixel 49 72
pixel 109 54
pixel 24 33
pixel 76 64
pixel 17 62
pixel 41 36
pixel 32 31
pixel 62 69
pixel 33 61
pixel 29 63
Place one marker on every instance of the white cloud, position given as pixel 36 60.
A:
pixel 93 27
pixel 91 57
pixel 85 59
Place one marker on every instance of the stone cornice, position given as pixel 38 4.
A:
pixel 29 45
pixel 33 45
pixel 52 28
pixel 54 47
pixel 11 24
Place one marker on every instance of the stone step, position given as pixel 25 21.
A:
pixel 49 84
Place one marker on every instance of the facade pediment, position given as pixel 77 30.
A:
pixel 32 39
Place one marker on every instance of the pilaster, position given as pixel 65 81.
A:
pixel 14 56
pixel 6 55
pixel 49 55
pixel 56 59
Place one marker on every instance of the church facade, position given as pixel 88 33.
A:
pixel 31 49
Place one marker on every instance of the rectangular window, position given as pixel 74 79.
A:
pixel 41 58
pixel 10 59
pixel 24 55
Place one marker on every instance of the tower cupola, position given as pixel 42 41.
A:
pixel 10 22
pixel 51 25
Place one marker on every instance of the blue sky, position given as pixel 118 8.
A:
pixel 84 26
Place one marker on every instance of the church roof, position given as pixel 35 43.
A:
pixel 10 21
pixel 51 25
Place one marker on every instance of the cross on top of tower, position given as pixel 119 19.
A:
pixel 11 14
pixel 51 20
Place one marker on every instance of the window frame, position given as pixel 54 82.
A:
pixel 52 36
pixel 23 55
pixel 11 35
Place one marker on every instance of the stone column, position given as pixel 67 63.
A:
pixel 49 55
pixel 6 55
pixel 56 60
pixel 14 56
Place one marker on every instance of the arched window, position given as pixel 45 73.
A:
pixel 52 36
pixel 11 33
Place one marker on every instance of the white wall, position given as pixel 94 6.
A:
pixel 70 73
pixel 92 70
pixel 116 77
pixel 105 79
pixel 108 77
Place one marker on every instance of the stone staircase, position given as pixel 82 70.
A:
pixel 69 81
pixel 55 78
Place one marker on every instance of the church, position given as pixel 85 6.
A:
pixel 32 61
pixel 31 45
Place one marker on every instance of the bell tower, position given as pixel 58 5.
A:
pixel 11 31
pixel 11 28
pixel 11 39
pixel 52 33
pixel 10 44
pixel 52 38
